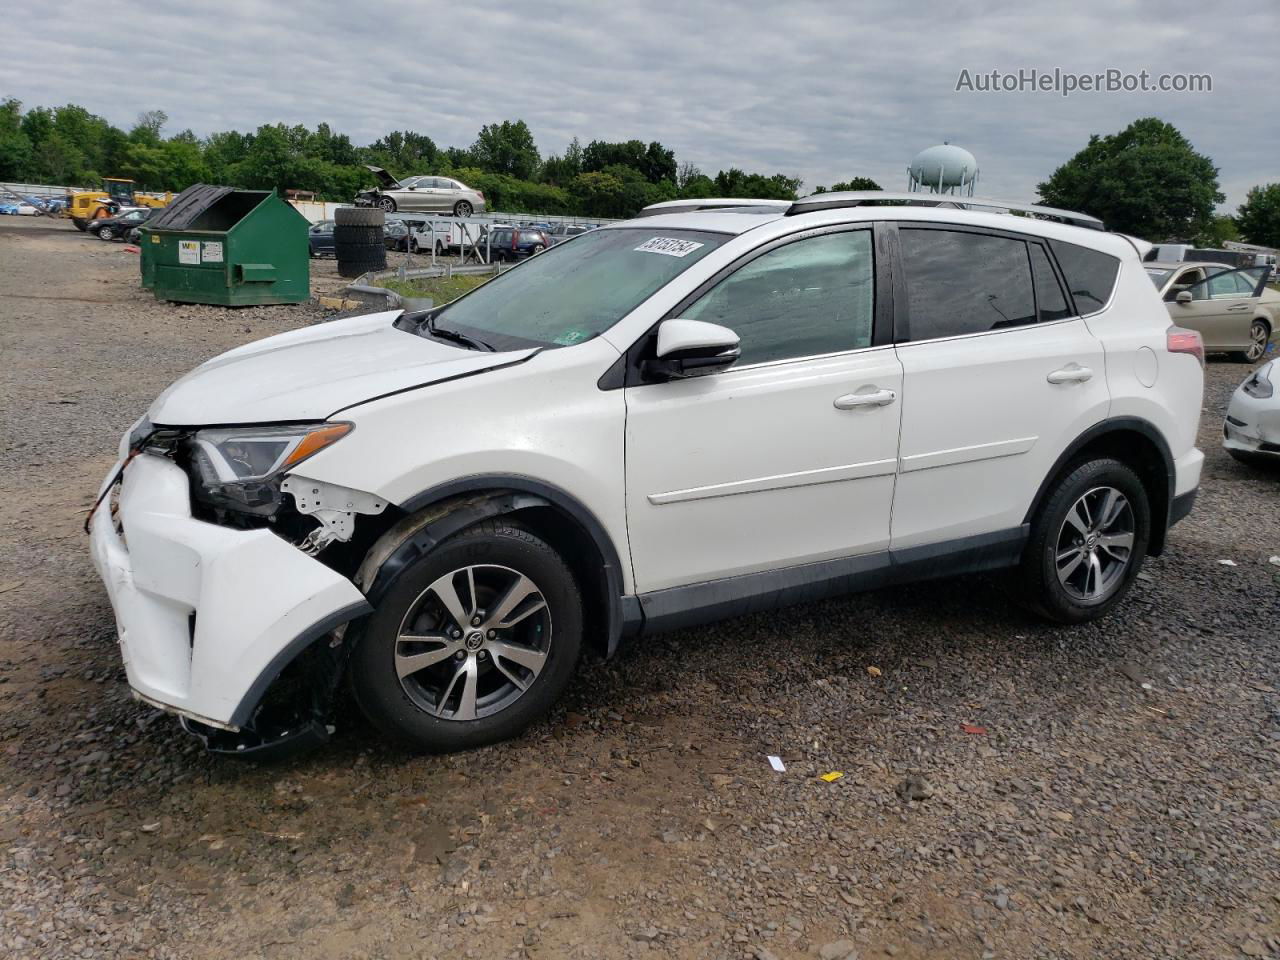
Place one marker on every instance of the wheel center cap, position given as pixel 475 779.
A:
pixel 1091 541
pixel 475 640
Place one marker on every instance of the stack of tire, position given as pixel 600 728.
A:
pixel 357 240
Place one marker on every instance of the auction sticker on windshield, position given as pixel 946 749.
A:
pixel 669 246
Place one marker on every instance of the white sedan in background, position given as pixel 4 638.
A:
pixel 1252 429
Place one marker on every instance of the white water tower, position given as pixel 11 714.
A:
pixel 945 168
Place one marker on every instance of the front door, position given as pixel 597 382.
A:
pixel 787 457
pixel 999 377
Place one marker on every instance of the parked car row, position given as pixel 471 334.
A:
pixel 30 205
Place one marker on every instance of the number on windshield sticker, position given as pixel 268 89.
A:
pixel 669 246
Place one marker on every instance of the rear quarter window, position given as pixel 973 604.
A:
pixel 1090 275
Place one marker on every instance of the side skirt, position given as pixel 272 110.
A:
pixel 698 603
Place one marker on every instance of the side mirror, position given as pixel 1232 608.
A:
pixel 692 348
pixel 1184 297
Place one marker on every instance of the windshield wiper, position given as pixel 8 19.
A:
pixel 455 336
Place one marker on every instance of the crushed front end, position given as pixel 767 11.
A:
pixel 210 551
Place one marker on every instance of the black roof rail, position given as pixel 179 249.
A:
pixel 857 198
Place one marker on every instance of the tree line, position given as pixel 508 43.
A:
pixel 70 145
pixel 1147 180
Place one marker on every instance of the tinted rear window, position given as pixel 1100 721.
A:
pixel 1091 276
pixel 959 283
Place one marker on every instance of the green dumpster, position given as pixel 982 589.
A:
pixel 236 248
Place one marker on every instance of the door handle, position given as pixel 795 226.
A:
pixel 877 398
pixel 1072 374
pixel 1241 306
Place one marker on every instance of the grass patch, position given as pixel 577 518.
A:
pixel 439 289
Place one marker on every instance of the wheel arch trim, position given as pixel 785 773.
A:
pixel 1114 425
pixel 469 500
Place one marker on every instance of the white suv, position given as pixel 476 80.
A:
pixel 687 416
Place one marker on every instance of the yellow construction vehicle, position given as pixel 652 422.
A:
pixel 116 194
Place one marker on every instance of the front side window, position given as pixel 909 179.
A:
pixel 1231 284
pixel 576 291
pixel 806 298
pixel 960 283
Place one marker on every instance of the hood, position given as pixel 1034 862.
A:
pixel 312 373
pixel 385 180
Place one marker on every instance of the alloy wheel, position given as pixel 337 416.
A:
pixel 1095 544
pixel 473 642
pixel 387 204
pixel 462 209
pixel 1257 342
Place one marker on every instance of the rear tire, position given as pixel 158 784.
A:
pixel 462 209
pixel 416 691
pixel 1087 542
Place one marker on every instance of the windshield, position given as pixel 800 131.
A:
pixel 571 293
pixel 1158 277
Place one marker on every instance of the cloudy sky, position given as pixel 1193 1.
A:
pixel 823 91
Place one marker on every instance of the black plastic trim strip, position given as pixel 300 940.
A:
pixel 694 604
pixel 242 715
pixel 1159 525
pixel 1182 506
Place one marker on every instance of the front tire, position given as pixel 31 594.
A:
pixel 387 205
pixel 1087 542
pixel 1259 337
pixel 105 233
pixel 472 642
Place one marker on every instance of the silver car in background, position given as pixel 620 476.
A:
pixel 1224 306
pixel 1251 431
pixel 424 194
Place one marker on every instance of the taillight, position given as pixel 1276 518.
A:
pixel 480 194
pixel 1182 340
pixel 515 239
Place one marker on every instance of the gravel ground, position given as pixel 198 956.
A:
pixel 1009 789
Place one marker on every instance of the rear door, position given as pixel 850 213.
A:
pixel 1000 373
pixel 1222 307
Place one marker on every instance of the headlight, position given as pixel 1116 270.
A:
pixel 240 468
pixel 1259 385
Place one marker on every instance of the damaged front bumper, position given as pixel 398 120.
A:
pixel 207 616
pixel 1252 425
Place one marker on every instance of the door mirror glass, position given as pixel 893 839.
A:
pixel 1184 297
pixel 693 348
